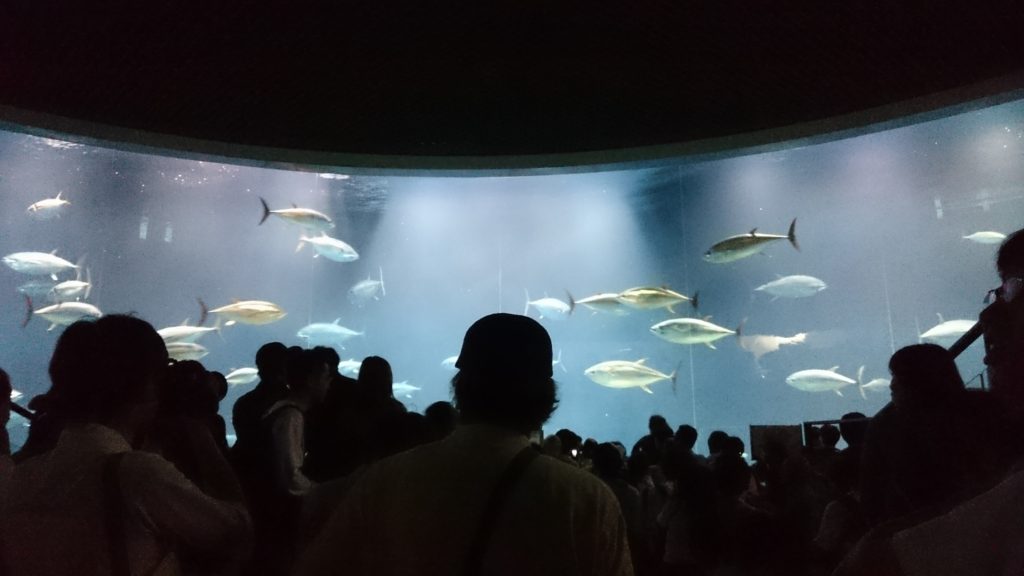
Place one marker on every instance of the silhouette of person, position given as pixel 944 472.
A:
pixel 438 510
pixel 92 502
pixel 923 449
pixel 271 362
pixel 1003 322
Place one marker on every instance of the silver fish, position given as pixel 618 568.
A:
pixel 551 308
pixel 607 302
pixel 947 332
pixel 366 290
pixel 691 331
pixel 745 245
pixel 403 388
pixel 986 237
pixel 186 350
pixel 350 367
pixel 186 333
pixel 305 218
pixel 796 286
pixel 327 333
pixel 62 314
pixel 824 380
pixel 38 263
pixel 242 376
pixel 650 297
pixel 48 208
pixel 625 374
pixel 247 312
pixel 330 248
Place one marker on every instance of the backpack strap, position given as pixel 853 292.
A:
pixel 508 480
pixel 114 513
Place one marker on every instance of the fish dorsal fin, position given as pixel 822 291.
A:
pixel 337 320
pixel 58 195
pixel 833 369
pixel 707 318
pixel 53 252
pixel 941 319
pixel 235 300
pixel 641 361
pixel 184 322
pixel 294 205
pixel 753 231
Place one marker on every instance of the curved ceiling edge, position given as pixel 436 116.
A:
pixel 975 96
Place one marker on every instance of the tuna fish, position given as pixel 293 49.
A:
pixel 247 312
pixel 330 248
pixel 824 380
pixel 327 334
pixel 551 308
pixel 792 287
pixel 186 350
pixel 366 290
pixel 68 290
pixel 186 333
pixel 38 263
pixel 242 376
pixel 607 303
pixel 62 314
pixel 649 298
pixel 305 218
pixel 691 331
pixel 403 388
pixel 48 208
pixel 746 245
pixel 878 384
pixel 947 332
pixel 986 237
pixel 350 367
pixel 625 374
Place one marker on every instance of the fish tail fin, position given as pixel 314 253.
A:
pixel 526 309
pixel 28 311
pixel 88 283
pixel 203 311
pixel 572 301
pixel 695 300
pixel 266 210
pixel 792 235
pixel 739 329
pixel 382 291
pixel 217 326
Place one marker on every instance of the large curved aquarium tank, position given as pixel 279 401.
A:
pixel 705 290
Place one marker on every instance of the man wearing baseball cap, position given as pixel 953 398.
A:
pixel 482 500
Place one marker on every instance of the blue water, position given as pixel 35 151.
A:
pixel 880 219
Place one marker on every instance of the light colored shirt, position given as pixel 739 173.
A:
pixel 54 522
pixel 418 512
pixel 287 437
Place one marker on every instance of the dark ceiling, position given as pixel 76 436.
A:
pixel 502 78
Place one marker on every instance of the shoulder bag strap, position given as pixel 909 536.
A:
pixel 114 512
pixel 508 480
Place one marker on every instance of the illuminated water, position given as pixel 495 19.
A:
pixel 880 219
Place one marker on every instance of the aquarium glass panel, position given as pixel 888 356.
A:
pixel 762 288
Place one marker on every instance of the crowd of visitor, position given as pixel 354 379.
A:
pixel 127 470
